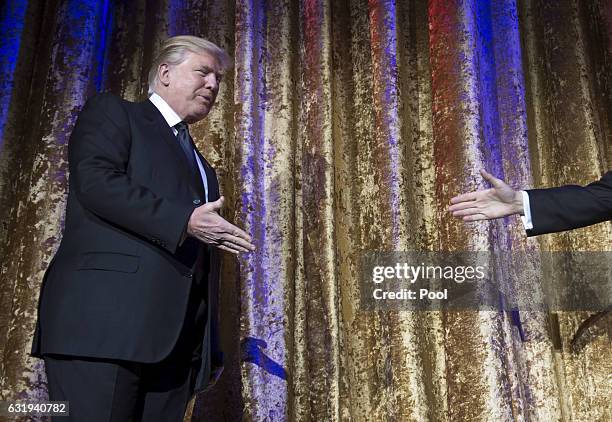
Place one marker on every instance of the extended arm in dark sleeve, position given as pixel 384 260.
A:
pixel 98 156
pixel 570 207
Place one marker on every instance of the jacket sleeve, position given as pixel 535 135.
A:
pixel 98 157
pixel 570 207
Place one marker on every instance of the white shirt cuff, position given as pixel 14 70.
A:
pixel 526 217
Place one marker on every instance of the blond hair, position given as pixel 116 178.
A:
pixel 174 49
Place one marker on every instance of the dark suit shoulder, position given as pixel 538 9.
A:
pixel 105 99
pixel 107 105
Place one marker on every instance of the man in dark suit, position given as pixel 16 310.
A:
pixel 127 320
pixel 542 210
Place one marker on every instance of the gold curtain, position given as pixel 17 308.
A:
pixel 345 126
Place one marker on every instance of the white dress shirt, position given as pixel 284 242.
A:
pixel 172 119
pixel 526 217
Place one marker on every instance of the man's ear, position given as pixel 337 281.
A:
pixel 163 74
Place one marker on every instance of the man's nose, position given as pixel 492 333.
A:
pixel 211 82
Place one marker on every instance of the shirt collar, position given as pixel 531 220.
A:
pixel 169 115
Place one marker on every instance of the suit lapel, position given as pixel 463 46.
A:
pixel 211 178
pixel 155 118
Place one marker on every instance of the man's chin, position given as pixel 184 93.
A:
pixel 196 117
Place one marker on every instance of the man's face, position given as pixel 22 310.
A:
pixel 191 87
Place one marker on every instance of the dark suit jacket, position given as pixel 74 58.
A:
pixel 570 207
pixel 119 283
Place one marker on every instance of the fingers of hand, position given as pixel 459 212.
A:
pixel 475 217
pixel 466 212
pixel 462 205
pixel 215 230
pixel 230 233
pixel 236 244
pixel 235 235
pixel 471 196
pixel 225 248
pixel 222 243
pixel 241 235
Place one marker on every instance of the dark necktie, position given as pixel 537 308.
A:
pixel 188 148
pixel 190 249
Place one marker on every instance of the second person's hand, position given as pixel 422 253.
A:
pixel 499 201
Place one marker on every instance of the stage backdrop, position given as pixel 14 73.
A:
pixel 344 127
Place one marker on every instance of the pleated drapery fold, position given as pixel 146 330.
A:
pixel 344 127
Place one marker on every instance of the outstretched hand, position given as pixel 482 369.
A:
pixel 206 225
pixel 499 201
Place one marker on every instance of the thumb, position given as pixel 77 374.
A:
pixel 497 183
pixel 218 204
